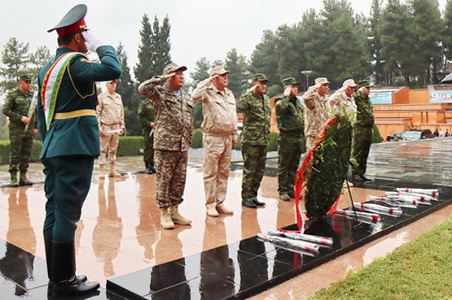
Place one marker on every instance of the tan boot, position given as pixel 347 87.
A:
pixel 13 181
pixel 211 210
pixel 177 217
pixel 23 180
pixel 222 209
pixel 101 172
pixel 165 218
pixel 113 172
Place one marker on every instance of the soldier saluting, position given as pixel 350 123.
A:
pixel 67 122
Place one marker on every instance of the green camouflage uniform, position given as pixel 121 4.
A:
pixel 146 117
pixel 15 107
pixel 291 142
pixel 362 133
pixel 256 129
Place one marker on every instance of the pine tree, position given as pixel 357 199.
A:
pixel 374 38
pixel 161 44
pixel 238 76
pixel 145 64
pixel 16 58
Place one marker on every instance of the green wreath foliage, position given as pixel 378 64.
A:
pixel 325 174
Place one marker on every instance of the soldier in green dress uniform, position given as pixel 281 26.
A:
pixel 22 129
pixel 67 122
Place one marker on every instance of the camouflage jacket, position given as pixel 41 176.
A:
pixel 289 115
pixel 341 104
pixel 365 116
pixel 146 115
pixel 173 116
pixel 317 112
pixel 16 106
pixel 256 119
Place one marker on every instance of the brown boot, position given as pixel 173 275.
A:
pixel 13 181
pixel 101 172
pixel 165 218
pixel 177 217
pixel 23 180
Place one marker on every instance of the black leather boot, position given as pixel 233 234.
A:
pixel 48 243
pixel 150 168
pixel 65 282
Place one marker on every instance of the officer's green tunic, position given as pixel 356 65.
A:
pixel 362 133
pixel 16 106
pixel 256 129
pixel 291 141
pixel 146 117
pixel 71 145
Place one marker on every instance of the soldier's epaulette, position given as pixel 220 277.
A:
pixel 85 60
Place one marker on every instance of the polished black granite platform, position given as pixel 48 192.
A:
pixel 248 267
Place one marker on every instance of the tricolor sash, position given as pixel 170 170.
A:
pixel 51 85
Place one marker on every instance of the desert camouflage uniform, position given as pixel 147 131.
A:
pixel 172 138
pixel 291 141
pixel 256 129
pixel 146 117
pixel 220 128
pixel 15 107
pixel 316 114
pixel 342 104
pixel 110 114
pixel 362 133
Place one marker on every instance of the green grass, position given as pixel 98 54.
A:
pixel 420 269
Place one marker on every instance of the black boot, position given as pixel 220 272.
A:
pixel 150 168
pixel 65 282
pixel 48 244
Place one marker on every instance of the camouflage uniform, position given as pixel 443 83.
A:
pixel 146 116
pixel 291 142
pixel 341 103
pixel 15 107
pixel 256 129
pixel 316 114
pixel 362 133
pixel 172 138
pixel 110 114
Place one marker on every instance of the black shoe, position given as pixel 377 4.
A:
pixel 150 168
pixel 365 178
pixel 74 287
pixel 249 204
pixel 358 178
pixel 258 203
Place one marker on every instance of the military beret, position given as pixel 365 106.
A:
pixel 218 70
pixel 259 77
pixel 172 67
pixel 364 83
pixel 72 21
pixel 25 77
pixel 289 81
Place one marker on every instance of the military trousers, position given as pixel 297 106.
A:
pixel 254 159
pixel 290 148
pixel 171 167
pixel 20 146
pixel 310 142
pixel 67 183
pixel 362 139
pixel 109 144
pixel 148 151
pixel 217 158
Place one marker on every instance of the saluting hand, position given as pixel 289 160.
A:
pixel 169 75
pixel 287 91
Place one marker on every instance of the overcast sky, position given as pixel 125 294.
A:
pixel 199 28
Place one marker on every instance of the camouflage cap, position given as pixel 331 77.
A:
pixel 321 81
pixel 259 77
pixel 172 67
pixel 349 83
pixel 218 70
pixel 25 77
pixel 289 81
pixel 364 83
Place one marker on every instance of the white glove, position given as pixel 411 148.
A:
pixel 91 42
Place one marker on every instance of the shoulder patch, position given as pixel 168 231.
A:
pixel 85 60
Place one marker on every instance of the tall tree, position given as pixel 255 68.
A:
pixel 38 60
pixel 447 31
pixel 143 69
pixel 238 78
pixel 201 72
pixel 263 58
pixel 16 58
pixel 374 38
pixel 427 25
pixel 161 45
pixel 130 97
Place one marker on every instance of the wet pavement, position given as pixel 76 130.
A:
pixel 119 241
